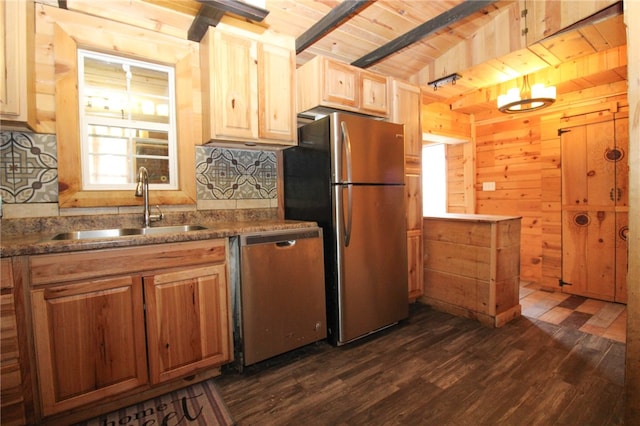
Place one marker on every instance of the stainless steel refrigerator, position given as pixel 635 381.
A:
pixel 347 174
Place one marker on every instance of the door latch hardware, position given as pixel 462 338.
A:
pixel 562 283
pixel 615 194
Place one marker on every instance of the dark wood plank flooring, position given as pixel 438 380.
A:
pixel 438 369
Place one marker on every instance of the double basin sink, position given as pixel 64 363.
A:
pixel 124 232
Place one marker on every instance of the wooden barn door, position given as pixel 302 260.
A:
pixel 594 210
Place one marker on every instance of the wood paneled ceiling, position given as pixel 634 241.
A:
pixel 491 48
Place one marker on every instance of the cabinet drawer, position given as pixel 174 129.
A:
pixel 57 268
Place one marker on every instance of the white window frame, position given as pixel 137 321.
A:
pixel 85 122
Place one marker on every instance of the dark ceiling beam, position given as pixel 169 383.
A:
pixel 329 22
pixel 211 13
pixel 452 15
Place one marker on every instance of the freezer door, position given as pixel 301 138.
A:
pixel 372 268
pixel 366 150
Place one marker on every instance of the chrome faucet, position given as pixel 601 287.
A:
pixel 142 190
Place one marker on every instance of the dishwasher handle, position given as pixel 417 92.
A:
pixel 280 238
pixel 287 243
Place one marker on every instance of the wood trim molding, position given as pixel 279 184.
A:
pixel 212 11
pixel 69 34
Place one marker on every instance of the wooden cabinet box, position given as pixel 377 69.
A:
pixel 99 315
pixel 248 91
pixel 405 109
pixel 11 396
pixel 323 82
pixel 17 91
pixel 472 266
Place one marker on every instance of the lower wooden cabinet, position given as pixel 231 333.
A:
pixel 114 322
pixel 12 408
pixel 182 306
pixel 472 266
pixel 89 339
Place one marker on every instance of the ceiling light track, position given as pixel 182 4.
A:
pixel 451 78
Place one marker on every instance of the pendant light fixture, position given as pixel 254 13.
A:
pixel 528 98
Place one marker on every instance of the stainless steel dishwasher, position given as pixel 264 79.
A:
pixel 281 298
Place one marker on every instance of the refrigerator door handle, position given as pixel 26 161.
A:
pixel 347 228
pixel 346 146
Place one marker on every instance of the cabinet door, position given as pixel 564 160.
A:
pixel 415 264
pixel 413 188
pixel 340 84
pixel 12 410
pixel 406 110
pixel 89 339
pixel 373 93
pixel 276 102
pixel 187 321
pixel 17 94
pixel 234 98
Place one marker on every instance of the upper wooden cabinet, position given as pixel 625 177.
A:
pixel 17 92
pixel 323 82
pixel 248 90
pixel 405 109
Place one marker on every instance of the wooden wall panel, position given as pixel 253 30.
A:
pixel 632 377
pixel 456 193
pixel 521 154
pixel 508 154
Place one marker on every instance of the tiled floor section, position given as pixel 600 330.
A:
pixel 591 316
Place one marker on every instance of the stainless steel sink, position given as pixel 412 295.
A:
pixel 123 232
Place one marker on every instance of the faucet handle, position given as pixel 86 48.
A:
pixel 156 217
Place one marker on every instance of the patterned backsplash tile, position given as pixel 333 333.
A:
pixel 29 171
pixel 28 168
pixel 230 174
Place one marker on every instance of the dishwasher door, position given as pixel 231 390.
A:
pixel 282 292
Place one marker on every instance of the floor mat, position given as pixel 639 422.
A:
pixel 197 405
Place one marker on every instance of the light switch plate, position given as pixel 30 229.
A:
pixel 488 186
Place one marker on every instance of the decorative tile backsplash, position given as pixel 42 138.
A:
pixel 28 168
pixel 229 174
pixel 29 171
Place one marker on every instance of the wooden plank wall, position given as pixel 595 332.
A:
pixel 508 154
pixel 456 194
pixel 632 376
pixel 521 154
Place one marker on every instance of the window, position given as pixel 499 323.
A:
pixel 434 179
pixel 127 120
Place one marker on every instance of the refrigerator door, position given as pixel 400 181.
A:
pixel 366 150
pixel 372 272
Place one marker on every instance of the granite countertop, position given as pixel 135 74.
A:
pixel 29 237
